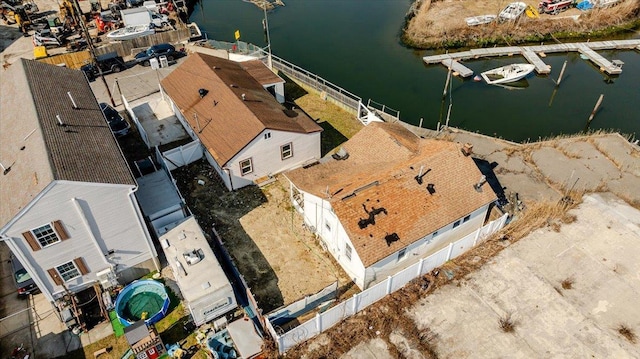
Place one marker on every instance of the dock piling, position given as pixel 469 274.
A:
pixel 564 66
pixel 446 84
pixel 595 109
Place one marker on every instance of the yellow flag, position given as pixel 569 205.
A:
pixel 237 34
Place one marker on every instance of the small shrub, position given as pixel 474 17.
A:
pixel 627 333
pixel 507 324
pixel 568 218
pixel 567 283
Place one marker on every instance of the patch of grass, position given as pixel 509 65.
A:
pixel 321 110
pixel 506 323
pixel 330 138
pixel 567 283
pixel 118 347
pixel 118 328
pixel 171 319
pixel 628 333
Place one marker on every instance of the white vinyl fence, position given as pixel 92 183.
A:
pixel 133 116
pixel 183 155
pixel 358 302
pixel 303 305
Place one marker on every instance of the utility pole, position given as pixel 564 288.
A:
pixel 92 50
pixel 266 28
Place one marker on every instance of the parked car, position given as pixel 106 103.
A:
pixel 159 20
pixel 155 52
pixel 134 3
pixel 119 126
pixel 108 63
pixel 24 282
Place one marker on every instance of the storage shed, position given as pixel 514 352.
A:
pixel 206 290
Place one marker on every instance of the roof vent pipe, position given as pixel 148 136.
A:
pixel 482 181
pixel 203 92
pixel 73 102
pixel 244 97
pixel 5 170
pixel 60 123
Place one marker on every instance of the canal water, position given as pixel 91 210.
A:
pixel 356 45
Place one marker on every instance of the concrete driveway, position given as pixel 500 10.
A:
pixel 15 316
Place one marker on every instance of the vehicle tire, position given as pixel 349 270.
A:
pixel 116 69
pixel 146 63
pixel 170 58
pixel 165 24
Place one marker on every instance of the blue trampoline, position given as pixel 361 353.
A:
pixel 143 299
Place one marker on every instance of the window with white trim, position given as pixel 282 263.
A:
pixel 46 235
pixel 267 135
pixel 327 225
pixel 286 151
pixel 467 218
pixel 456 223
pixel 246 166
pixel 347 251
pixel 402 253
pixel 68 271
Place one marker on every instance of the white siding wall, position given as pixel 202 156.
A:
pixel 278 89
pixel 428 245
pixel 106 214
pixel 318 213
pixel 266 158
pixel 223 173
pixel 181 118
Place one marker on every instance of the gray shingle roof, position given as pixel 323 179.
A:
pixel 37 149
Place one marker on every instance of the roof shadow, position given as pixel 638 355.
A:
pixel 486 168
pixel 330 138
pixel 292 91
pixel 11 34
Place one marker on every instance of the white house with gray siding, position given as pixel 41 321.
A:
pixel 389 200
pixel 69 212
pixel 246 132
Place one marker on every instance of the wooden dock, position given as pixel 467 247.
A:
pixel 533 55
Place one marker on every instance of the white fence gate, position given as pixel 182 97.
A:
pixel 360 301
pixel 182 156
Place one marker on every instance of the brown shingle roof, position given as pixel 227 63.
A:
pixel 380 172
pixel 225 123
pixel 40 151
pixel 260 72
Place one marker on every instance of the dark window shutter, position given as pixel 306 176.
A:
pixel 62 234
pixel 31 239
pixel 79 262
pixel 55 276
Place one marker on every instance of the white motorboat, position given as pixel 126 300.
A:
pixel 506 74
pixel 130 32
pixel 512 11
pixel 480 19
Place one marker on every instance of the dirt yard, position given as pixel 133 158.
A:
pixel 279 260
pixel 434 24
